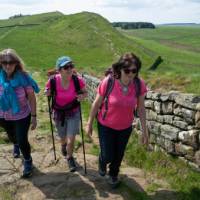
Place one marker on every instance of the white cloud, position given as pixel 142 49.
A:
pixel 156 11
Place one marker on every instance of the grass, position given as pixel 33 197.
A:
pixel 182 178
pixel 3 137
pixel 7 193
pixel 178 46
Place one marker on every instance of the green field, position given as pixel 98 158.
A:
pixel 179 46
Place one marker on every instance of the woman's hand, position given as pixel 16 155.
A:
pixel 89 130
pixel 80 97
pixel 33 123
pixel 47 92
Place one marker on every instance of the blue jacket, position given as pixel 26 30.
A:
pixel 8 99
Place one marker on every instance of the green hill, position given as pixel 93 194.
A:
pixel 179 47
pixel 94 45
pixel 87 37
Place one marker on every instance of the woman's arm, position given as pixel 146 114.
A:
pixel 142 116
pixel 93 112
pixel 32 101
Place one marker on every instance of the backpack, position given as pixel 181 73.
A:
pixel 69 106
pixel 109 88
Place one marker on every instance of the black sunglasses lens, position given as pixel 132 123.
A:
pixel 8 62
pixel 66 67
pixel 127 71
pixel 134 71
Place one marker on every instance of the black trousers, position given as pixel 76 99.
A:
pixel 17 132
pixel 112 145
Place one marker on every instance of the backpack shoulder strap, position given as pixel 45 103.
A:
pixel 76 83
pixel 53 85
pixel 53 90
pixel 109 88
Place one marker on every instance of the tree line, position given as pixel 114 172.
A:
pixel 133 25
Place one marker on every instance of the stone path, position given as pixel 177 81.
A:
pixel 52 179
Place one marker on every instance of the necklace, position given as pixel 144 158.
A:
pixel 124 87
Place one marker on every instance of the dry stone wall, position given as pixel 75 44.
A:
pixel 173 121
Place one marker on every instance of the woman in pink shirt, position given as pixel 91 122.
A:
pixel 65 94
pixel 115 122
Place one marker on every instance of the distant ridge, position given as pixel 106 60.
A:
pixel 179 24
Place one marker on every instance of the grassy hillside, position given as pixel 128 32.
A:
pixel 179 47
pixel 88 38
pixel 94 45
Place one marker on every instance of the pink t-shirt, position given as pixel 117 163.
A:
pixel 120 107
pixel 64 96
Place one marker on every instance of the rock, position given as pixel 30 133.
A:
pixel 188 101
pixel 153 127
pixel 169 146
pixel 184 150
pixel 157 107
pixel 167 108
pixel 197 119
pixel 197 158
pixel 149 104
pixel 190 137
pixel 169 132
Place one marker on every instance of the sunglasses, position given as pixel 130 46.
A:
pixel 8 62
pixel 66 67
pixel 127 71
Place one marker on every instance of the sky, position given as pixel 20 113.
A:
pixel 155 11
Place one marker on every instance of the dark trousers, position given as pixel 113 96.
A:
pixel 113 144
pixel 17 132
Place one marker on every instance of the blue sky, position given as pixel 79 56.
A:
pixel 155 11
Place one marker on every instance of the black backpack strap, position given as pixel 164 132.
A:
pixel 109 88
pixel 52 91
pixel 138 91
pixel 76 84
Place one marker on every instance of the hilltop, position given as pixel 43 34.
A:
pixel 87 37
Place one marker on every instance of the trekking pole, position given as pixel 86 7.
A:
pixel 82 138
pixel 54 149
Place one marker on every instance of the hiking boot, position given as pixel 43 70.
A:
pixel 16 151
pixel 63 149
pixel 113 181
pixel 101 167
pixel 27 168
pixel 71 164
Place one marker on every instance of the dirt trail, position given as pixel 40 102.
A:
pixel 52 180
